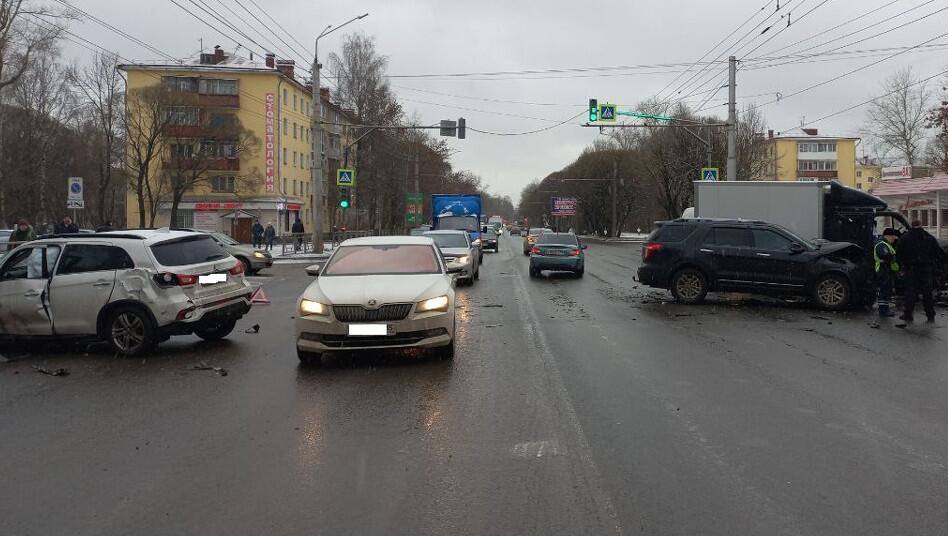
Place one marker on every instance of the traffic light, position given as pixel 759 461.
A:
pixel 462 126
pixel 344 200
pixel 593 110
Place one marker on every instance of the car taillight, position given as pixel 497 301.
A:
pixel 166 279
pixel 237 269
pixel 535 251
pixel 649 249
pixel 574 253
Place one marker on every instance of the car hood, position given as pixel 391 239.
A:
pixel 242 249
pixel 359 290
pixel 833 247
pixel 455 252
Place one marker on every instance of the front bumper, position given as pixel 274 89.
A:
pixel 326 334
pixel 257 263
pixel 541 262
pixel 467 269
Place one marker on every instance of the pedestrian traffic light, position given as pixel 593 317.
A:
pixel 593 110
pixel 462 126
pixel 344 200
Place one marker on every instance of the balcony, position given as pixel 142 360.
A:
pixel 216 164
pixel 219 101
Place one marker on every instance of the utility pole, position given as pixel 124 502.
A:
pixel 732 119
pixel 615 193
pixel 316 166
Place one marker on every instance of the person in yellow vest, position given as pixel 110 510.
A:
pixel 887 268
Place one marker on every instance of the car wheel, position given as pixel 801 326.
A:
pixel 534 272
pixel 477 275
pixel 832 292
pixel 216 331
pixel 313 359
pixel 689 286
pixel 131 331
pixel 580 272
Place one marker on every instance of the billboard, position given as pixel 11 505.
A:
pixel 563 206
pixel 269 151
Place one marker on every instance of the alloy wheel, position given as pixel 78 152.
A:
pixel 831 291
pixel 128 332
pixel 689 286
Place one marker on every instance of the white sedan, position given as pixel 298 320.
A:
pixel 378 292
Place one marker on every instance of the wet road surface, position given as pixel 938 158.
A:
pixel 573 406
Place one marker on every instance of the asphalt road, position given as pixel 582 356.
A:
pixel 573 406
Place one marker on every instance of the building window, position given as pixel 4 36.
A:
pixel 870 179
pixel 180 83
pixel 294 187
pixel 284 186
pixel 181 151
pixel 183 115
pixel 294 100
pixel 295 130
pixel 307 135
pixel 924 215
pixel 859 173
pixel 222 120
pixel 219 149
pixel 286 127
pixel 284 156
pixel 285 97
pixel 859 186
pixel 216 86
pixel 222 183
pixel 816 165
pixel 185 218
pixel 294 158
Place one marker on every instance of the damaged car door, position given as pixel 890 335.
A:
pixel 82 286
pixel 23 285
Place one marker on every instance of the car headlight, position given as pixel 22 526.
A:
pixel 476 242
pixel 433 304
pixel 310 307
pixel 463 259
pixel 259 255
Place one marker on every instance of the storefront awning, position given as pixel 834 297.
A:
pixel 921 185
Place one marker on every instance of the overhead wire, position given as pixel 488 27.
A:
pixel 544 129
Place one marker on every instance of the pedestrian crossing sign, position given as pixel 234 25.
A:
pixel 345 177
pixel 709 174
pixel 607 112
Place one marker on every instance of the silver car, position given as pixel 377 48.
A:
pixel 254 259
pixel 459 253
pixel 130 288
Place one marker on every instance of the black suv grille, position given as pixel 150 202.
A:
pixel 385 313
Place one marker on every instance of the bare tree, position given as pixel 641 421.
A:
pixel 20 40
pixel 898 119
pixel 145 119
pixel 100 86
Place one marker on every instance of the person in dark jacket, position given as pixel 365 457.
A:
pixel 887 269
pixel 917 254
pixel 66 227
pixel 23 233
pixel 257 232
pixel 268 235
pixel 298 233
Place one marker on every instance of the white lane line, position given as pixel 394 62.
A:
pixel 538 449
pixel 564 405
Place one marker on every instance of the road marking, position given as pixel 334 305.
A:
pixel 538 449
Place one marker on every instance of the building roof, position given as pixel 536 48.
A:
pixel 231 63
pixel 921 185
pixel 800 133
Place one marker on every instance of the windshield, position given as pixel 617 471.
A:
pixel 464 223
pixel 224 239
pixel 563 239
pixel 452 240
pixel 383 260
pixel 537 231
pixel 189 250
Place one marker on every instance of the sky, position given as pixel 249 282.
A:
pixel 599 47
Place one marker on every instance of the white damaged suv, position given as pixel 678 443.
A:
pixel 131 288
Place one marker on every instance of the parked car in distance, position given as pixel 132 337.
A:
pixel 513 229
pixel 132 289
pixel 420 230
pixel 378 292
pixel 489 239
pixel 560 252
pixel 532 235
pixel 458 252
pixel 254 260
pixel 692 257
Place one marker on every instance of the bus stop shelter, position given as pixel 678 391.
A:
pixel 924 199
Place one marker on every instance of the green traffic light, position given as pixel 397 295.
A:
pixel 344 203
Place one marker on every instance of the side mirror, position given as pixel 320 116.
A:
pixel 455 270
pixel 796 248
pixel 313 270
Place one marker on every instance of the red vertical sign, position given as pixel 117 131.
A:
pixel 269 151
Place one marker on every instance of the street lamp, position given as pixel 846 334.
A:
pixel 316 171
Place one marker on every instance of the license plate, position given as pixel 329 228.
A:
pixel 555 253
pixel 212 279
pixel 368 330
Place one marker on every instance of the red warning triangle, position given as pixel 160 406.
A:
pixel 259 296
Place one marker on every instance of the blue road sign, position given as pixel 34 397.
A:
pixel 709 174
pixel 607 112
pixel 345 177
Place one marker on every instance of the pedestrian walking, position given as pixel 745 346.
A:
pixel 298 231
pixel 66 227
pixel 23 233
pixel 257 232
pixel 917 254
pixel 887 268
pixel 268 235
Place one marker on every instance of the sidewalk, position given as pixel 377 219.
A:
pixel 291 257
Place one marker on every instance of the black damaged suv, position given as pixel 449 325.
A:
pixel 691 257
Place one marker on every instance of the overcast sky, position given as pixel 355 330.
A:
pixel 424 37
